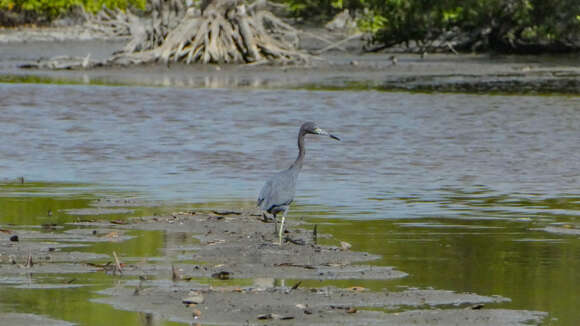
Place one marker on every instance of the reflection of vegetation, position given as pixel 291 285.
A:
pixel 34 203
pixel 235 282
pixel 144 244
pixel 509 260
pixel 28 204
pixel 30 209
pixel 31 79
pixel 71 304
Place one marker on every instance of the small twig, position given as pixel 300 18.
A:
pixel 174 275
pixel 117 263
pixel 315 234
pixel 139 286
pixel 450 46
pixel 299 242
pixel 337 44
pixel 29 262
pixel 295 265
pixel 318 37
pixel 227 213
pixel 295 286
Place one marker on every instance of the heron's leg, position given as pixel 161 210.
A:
pixel 281 229
pixel 282 225
pixel 275 223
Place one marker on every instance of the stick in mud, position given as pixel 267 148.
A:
pixel 117 263
pixel 315 234
pixel 174 275
pixel 29 262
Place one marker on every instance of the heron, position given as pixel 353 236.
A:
pixel 278 192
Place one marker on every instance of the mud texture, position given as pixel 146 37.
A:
pixel 241 247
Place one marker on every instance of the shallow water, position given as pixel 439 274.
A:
pixel 446 186
pixel 402 155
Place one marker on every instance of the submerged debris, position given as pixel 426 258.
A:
pixel 195 298
pixel 274 316
pixel 223 275
pixel 345 245
pixel 227 212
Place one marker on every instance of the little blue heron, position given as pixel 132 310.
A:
pixel 278 192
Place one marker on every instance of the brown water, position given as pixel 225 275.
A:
pixel 448 187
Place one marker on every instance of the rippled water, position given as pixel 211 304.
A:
pixel 403 155
pixel 475 173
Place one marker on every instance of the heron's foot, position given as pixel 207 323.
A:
pixel 267 219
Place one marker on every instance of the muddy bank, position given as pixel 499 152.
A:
pixel 222 267
pixel 73 33
pixel 349 70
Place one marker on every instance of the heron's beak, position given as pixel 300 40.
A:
pixel 323 132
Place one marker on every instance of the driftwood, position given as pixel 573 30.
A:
pixel 339 43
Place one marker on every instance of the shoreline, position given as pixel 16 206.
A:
pixel 342 70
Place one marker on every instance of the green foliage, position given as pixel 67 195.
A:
pixel 96 5
pixel 51 8
pixel 502 25
pixel 54 8
pixel 372 22
pixel 321 10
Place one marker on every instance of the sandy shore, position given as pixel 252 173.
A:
pixel 237 246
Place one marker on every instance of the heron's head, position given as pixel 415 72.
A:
pixel 312 128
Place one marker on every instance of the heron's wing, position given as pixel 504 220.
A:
pixel 277 191
pixel 264 193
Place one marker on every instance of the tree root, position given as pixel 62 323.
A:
pixel 233 36
pixel 110 23
pixel 226 32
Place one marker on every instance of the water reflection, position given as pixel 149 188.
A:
pixel 211 78
pixel 72 304
pixel 535 269
pixel 68 296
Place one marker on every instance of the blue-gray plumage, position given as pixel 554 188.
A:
pixel 278 192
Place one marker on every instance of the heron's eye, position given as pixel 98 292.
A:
pixel 317 130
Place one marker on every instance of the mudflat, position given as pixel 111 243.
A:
pixel 230 246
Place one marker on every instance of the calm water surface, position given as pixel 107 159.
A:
pixel 447 187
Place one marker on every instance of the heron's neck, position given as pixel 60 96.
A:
pixel 297 165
